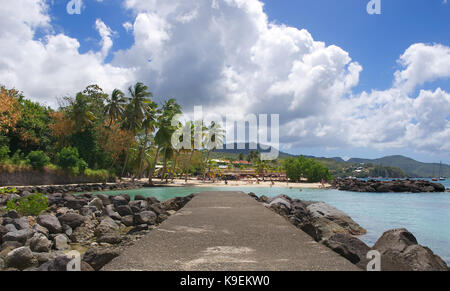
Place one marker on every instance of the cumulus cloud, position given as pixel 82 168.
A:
pixel 227 56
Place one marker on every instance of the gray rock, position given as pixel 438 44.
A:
pixel 11 228
pixel 3 231
pixel 67 230
pixel 97 203
pixel 97 258
pixel 21 258
pixel 58 264
pixel 107 225
pixel 138 205
pixel 13 214
pixel 124 210
pixel 19 236
pixel 75 203
pixel 118 201
pixel 37 228
pixel 351 248
pixel 109 209
pixel 110 238
pixel 2 264
pixel 61 242
pixel 128 220
pixel 146 217
pixel 10 245
pixel 72 219
pixel 50 222
pixel 84 233
pixel 40 244
pixel 105 199
pixel 401 252
pixel 21 223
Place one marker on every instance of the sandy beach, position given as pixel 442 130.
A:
pixel 242 183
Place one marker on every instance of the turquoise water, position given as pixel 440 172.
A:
pixel 426 215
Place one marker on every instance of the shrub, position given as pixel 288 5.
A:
pixel 96 175
pixel 38 160
pixel 4 191
pixel 4 152
pixel 68 158
pixel 32 205
pixel 301 167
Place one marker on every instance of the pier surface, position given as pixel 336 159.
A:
pixel 228 231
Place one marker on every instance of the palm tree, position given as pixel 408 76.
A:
pixel 115 106
pixel 163 138
pixel 139 104
pixel 149 125
pixel 79 112
pixel 213 139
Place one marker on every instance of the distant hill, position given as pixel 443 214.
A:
pixel 248 147
pixel 411 167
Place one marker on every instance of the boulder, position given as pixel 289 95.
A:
pixel 13 214
pixel 3 231
pixel 138 205
pixel 21 223
pixel 351 248
pixel 400 251
pixel 109 210
pixel 128 220
pixel 104 198
pixel 75 203
pixel 19 236
pixel 124 210
pixel 37 228
pixel 110 238
pixel 40 244
pixel 58 264
pixel 21 258
pixel 50 222
pixel 61 242
pixel 2 264
pixel 10 227
pixel 73 220
pixel 85 232
pixel 97 203
pixel 97 257
pixel 118 201
pixel 107 225
pixel 146 217
pixel 140 198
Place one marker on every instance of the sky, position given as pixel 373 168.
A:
pixel 345 83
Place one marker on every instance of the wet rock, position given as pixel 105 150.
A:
pixel 50 222
pixel 97 257
pixel 40 244
pixel 72 219
pixel 21 258
pixel 400 251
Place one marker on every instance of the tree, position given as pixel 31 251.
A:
pixel 80 113
pixel 213 140
pixel 310 169
pixel 9 110
pixel 38 160
pixel 135 111
pixel 115 106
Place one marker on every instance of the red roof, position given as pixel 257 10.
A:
pixel 241 163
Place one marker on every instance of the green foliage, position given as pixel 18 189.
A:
pixel 38 160
pixel 4 152
pixel 68 158
pixel 97 175
pixel 31 205
pixel 310 169
pixel 4 191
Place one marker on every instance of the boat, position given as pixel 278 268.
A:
pixel 435 179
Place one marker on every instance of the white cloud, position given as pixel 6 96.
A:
pixel 226 56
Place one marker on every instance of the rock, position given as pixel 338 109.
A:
pixel 40 244
pixel 67 230
pixel 176 203
pixel 97 203
pixel 3 231
pixel 139 228
pixel 75 203
pixel 19 236
pixel 110 238
pixel 21 258
pixel 264 199
pixel 400 252
pixel 146 217
pixel 140 198
pixel 13 214
pixel 21 223
pixel 105 199
pixel 138 206
pixel 124 210
pixel 109 211
pixel 127 197
pixel 84 233
pixel 72 219
pixel 397 186
pixel 324 212
pixel 153 200
pixel 55 199
pixel 97 257
pixel 107 225
pixel 253 195
pixel 128 220
pixel 351 248
pixel 118 201
pixel 10 245
pixel 50 222
pixel 11 228
pixel 37 228
pixel 58 264
pixel 2 264
pixel 61 242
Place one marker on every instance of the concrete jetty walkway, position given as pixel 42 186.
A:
pixel 227 231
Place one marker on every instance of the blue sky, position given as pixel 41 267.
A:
pixel 369 126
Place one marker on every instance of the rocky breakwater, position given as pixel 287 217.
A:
pixel 396 186
pixel 98 226
pixel 333 228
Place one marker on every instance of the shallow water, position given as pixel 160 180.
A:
pixel 426 215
